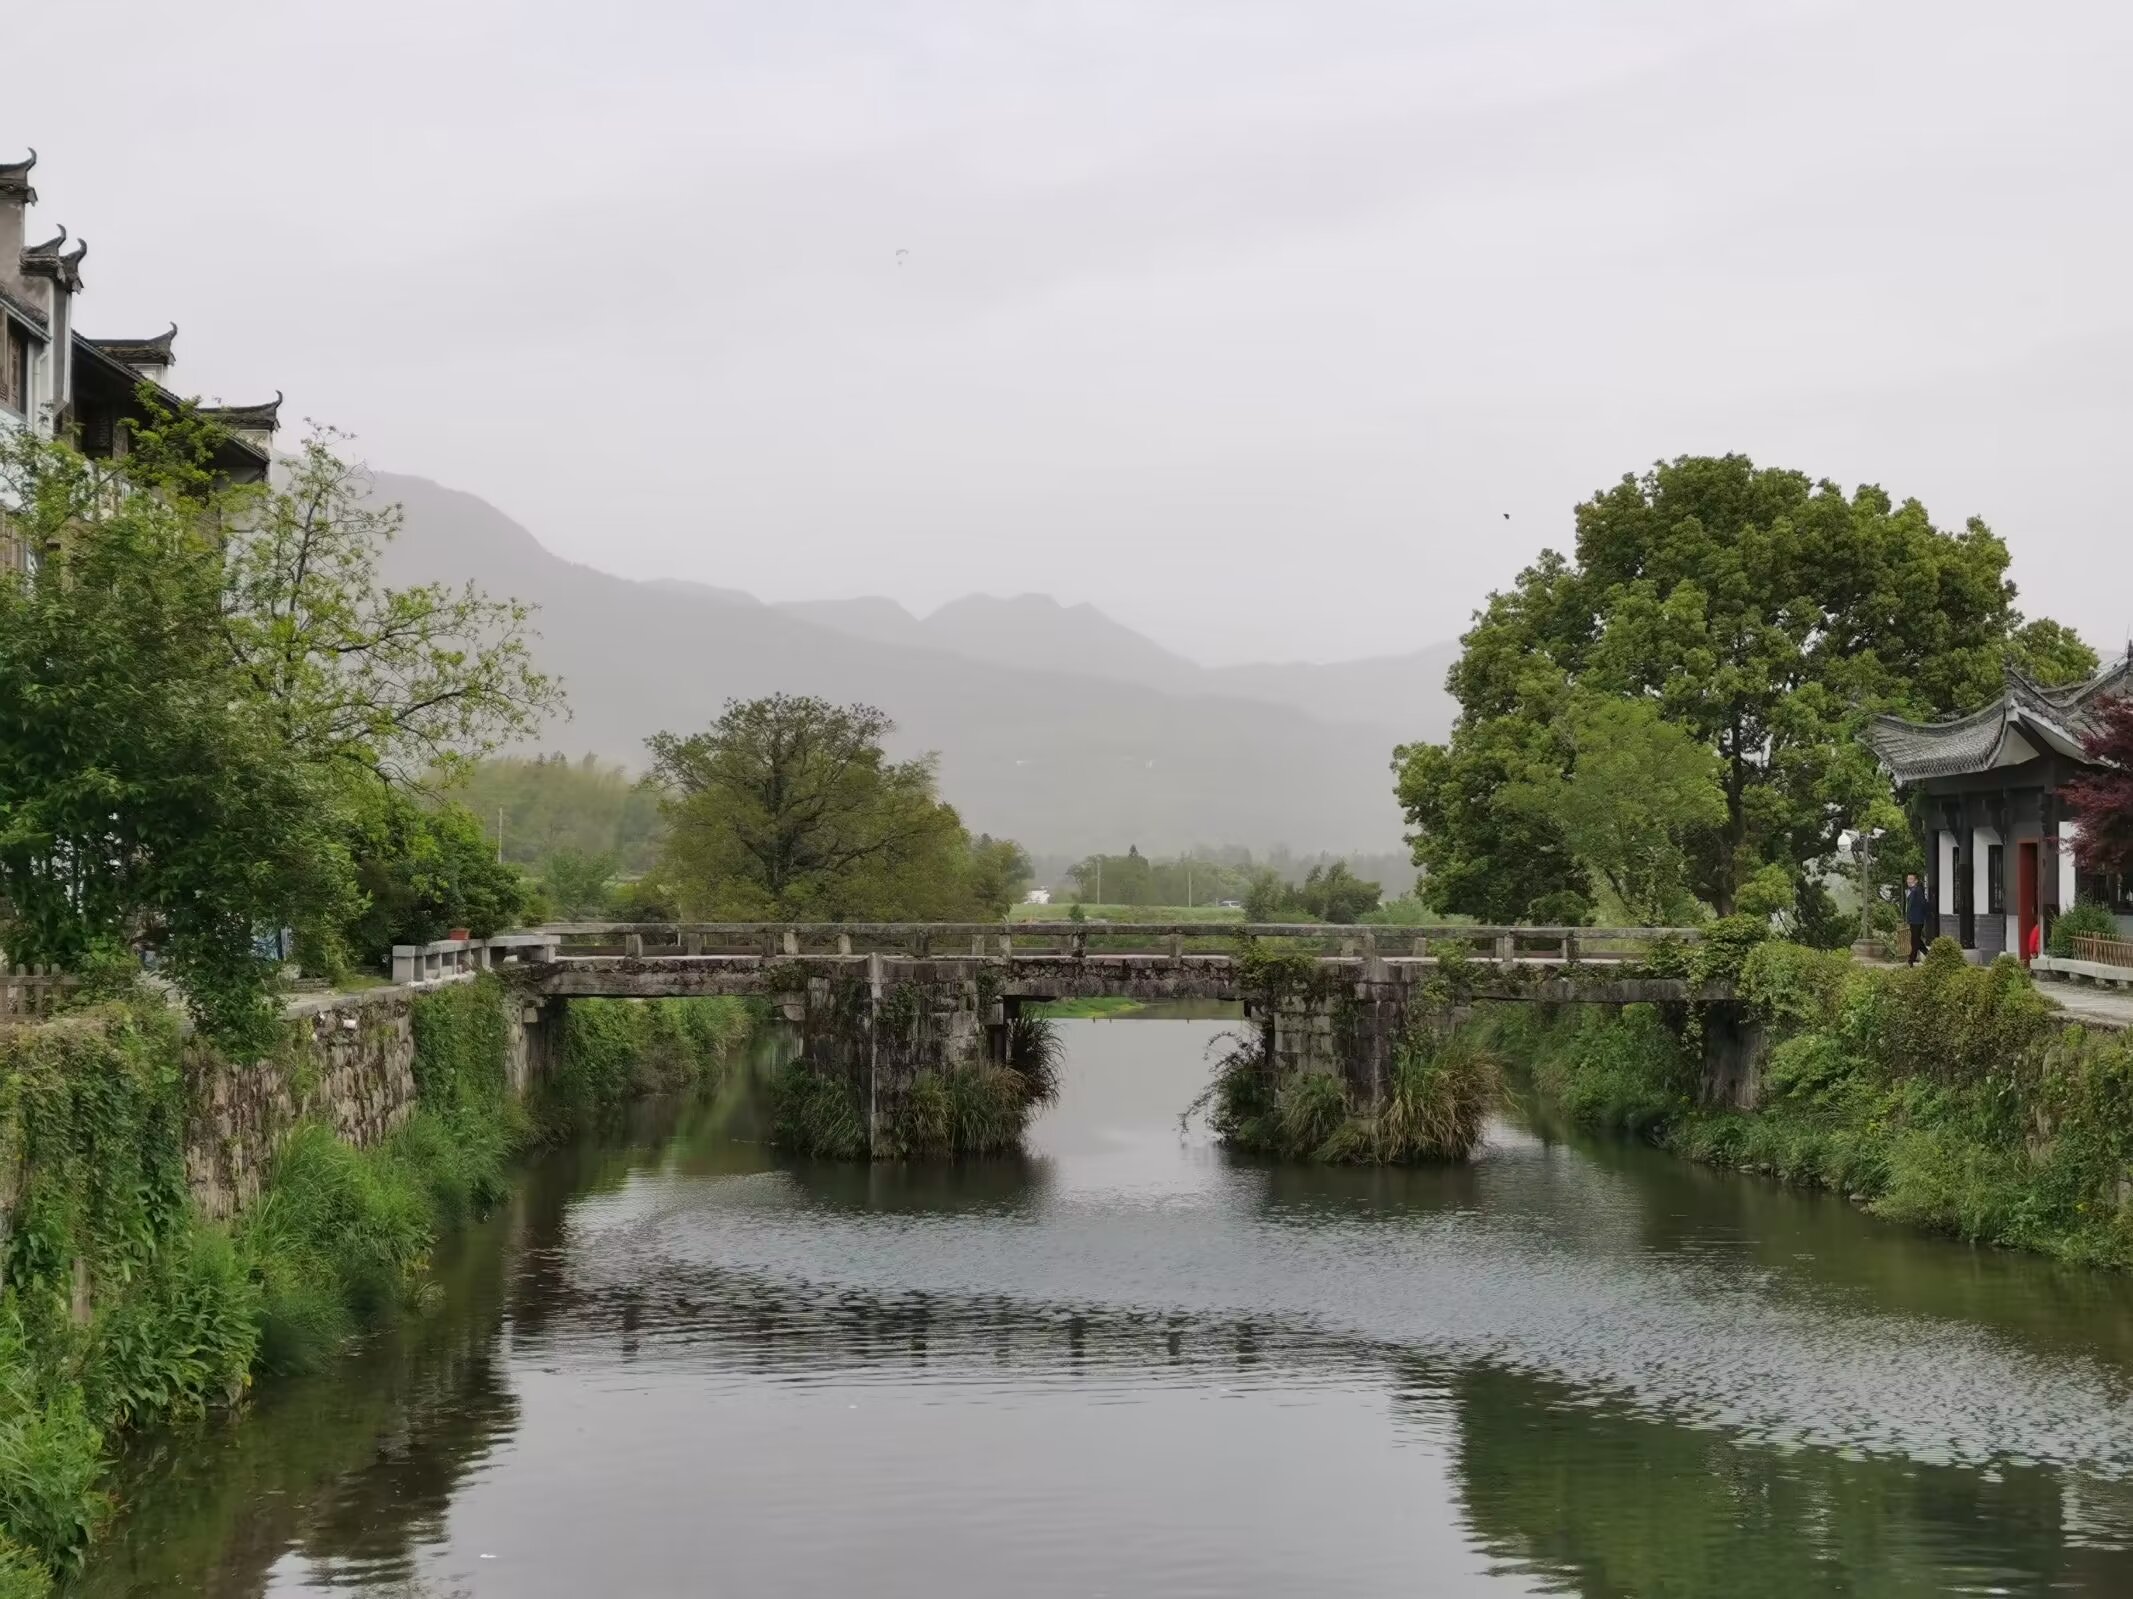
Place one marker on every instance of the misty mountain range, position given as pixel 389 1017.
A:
pixel 1054 723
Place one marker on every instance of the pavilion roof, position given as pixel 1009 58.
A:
pixel 2026 720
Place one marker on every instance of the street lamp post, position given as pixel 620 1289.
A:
pixel 1865 844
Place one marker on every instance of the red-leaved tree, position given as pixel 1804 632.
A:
pixel 2103 800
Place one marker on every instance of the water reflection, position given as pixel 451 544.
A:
pixel 1125 1363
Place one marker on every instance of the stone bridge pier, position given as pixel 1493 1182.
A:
pixel 875 1029
pixel 874 1032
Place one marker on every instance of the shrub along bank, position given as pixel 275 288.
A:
pixel 121 1308
pixel 1948 1096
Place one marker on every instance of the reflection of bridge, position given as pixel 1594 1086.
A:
pixel 1088 960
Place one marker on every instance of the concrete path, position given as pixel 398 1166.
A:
pixel 2090 1004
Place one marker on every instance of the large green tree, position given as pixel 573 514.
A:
pixel 145 797
pixel 205 698
pixel 1638 791
pixel 398 681
pixel 788 808
pixel 1762 613
pixel 425 869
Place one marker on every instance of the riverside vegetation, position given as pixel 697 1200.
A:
pixel 1946 1096
pixel 122 1308
pixel 1439 1092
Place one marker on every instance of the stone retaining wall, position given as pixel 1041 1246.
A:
pixel 355 1072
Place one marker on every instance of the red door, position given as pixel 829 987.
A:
pixel 2026 891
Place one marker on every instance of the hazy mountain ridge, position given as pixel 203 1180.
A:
pixel 1069 759
pixel 1404 694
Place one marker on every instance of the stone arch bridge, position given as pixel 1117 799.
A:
pixel 875 1003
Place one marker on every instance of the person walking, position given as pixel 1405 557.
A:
pixel 1914 913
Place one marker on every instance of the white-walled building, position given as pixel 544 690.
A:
pixel 60 382
pixel 1998 838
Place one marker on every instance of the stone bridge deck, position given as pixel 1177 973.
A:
pixel 1087 960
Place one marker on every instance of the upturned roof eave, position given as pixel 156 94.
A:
pixel 134 380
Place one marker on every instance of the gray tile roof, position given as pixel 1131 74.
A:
pixel 157 351
pixel 23 311
pixel 2047 718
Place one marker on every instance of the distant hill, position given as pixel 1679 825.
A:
pixel 1403 694
pixel 1051 747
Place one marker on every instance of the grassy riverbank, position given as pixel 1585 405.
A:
pixel 122 1308
pixel 1948 1096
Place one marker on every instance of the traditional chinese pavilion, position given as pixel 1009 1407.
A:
pixel 1986 789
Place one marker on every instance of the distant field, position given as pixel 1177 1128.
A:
pixel 1102 1006
pixel 1127 913
pixel 1220 1010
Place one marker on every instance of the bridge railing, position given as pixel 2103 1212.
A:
pixel 450 958
pixel 31 993
pixel 1178 940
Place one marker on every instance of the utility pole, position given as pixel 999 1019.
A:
pixel 499 835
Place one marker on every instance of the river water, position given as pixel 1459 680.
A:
pixel 1128 1364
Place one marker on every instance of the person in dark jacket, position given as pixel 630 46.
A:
pixel 1914 913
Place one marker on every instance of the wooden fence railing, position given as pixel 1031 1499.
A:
pixel 29 993
pixel 2104 951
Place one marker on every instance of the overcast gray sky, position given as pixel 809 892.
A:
pixel 1245 320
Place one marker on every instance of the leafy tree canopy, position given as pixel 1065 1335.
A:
pixel 1759 612
pixel 789 809
pixel 1330 892
pixel 205 697
pixel 575 883
pixel 551 803
pixel 425 870
pixel 1637 791
pixel 2103 800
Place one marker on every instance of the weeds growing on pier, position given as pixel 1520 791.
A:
pixel 968 1108
pixel 972 1109
pixel 1436 1099
pixel 816 1115
pixel 1437 1096
pixel 1035 1055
